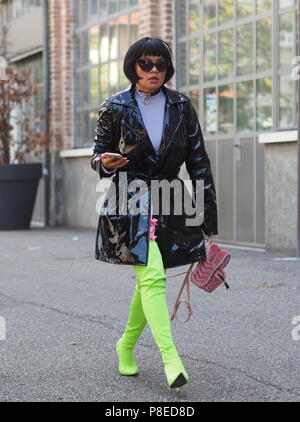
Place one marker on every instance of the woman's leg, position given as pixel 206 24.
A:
pixel 152 284
pixel 134 327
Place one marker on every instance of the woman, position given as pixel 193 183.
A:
pixel 156 130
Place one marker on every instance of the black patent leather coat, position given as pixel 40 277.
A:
pixel 124 238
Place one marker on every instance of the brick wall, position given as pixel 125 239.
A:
pixel 61 108
pixel 61 58
pixel 156 20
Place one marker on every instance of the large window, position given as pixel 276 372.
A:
pixel 33 107
pixel 18 8
pixel 286 51
pixel 236 58
pixel 105 30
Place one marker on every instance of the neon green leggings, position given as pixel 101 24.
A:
pixel 151 282
pixel 149 305
pixel 155 268
pixel 150 294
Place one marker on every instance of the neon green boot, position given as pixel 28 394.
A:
pixel 152 283
pixel 125 345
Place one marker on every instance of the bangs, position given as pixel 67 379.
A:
pixel 153 47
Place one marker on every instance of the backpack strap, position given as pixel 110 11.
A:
pixel 186 283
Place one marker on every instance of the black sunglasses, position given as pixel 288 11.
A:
pixel 146 65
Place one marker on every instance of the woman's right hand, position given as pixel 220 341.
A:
pixel 111 163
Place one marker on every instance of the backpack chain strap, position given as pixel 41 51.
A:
pixel 186 283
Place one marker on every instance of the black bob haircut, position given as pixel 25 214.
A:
pixel 149 47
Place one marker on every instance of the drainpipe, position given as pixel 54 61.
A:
pixel 46 78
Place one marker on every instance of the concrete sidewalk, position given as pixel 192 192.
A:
pixel 63 311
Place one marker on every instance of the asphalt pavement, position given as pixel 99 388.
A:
pixel 61 313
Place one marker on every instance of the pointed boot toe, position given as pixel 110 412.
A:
pixel 176 374
pixel 179 381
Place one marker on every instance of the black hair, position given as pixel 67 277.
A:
pixel 149 47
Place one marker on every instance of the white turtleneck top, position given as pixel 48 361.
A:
pixel 153 117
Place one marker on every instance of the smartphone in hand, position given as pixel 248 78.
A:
pixel 116 156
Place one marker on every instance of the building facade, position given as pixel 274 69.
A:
pixel 234 59
pixel 24 48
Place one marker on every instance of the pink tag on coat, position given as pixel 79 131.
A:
pixel 153 223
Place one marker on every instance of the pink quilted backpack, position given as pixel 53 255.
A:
pixel 207 275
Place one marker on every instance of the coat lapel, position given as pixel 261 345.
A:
pixel 172 120
pixel 134 121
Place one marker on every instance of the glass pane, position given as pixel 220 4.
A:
pixel 209 13
pixel 112 6
pixel 113 77
pixel 245 106
pixel 38 108
pixel 77 50
pixel 83 13
pixel 181 17
pixel 287 88
pixel 93 119
pixel 94 45
pixel 181 64
pixel 264 103
pixel 123 81
pixel 244 8
pixel 263 5
pixel 134 27
pixel 25 8
pixel 93 10
pixel 123 34
pixel 226 54
pixel 84 49
pixel 38 70
pixel 194 96
pixel 133 2
pixel 286 39
pixel 210 57
pixel 103 82
pixel 123 4
pixel 103 44
pixel 194 61
pixel 210 110
pixel 225 10
pixel 78 88
pixel 94 85
pixel 194 18
pixel 264 45
pixel 85 88
pixel 244 50
pixel 286 3
pixel 83 136
pixel 113 39
pixel 226 97
pixel 103 8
